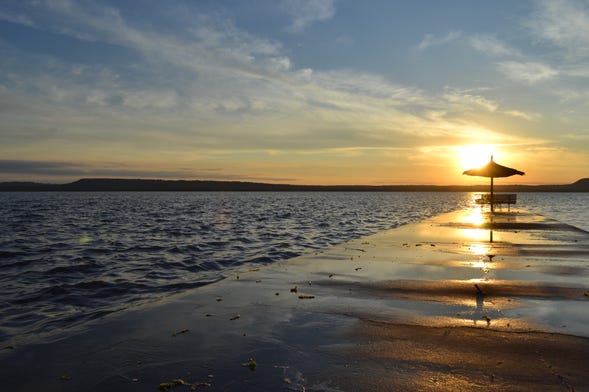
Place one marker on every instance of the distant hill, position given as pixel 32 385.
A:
pixel 144 185
pixel 582 184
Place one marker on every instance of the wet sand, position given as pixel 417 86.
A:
pixel 430 306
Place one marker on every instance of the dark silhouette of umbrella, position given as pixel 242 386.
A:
pixel 493 170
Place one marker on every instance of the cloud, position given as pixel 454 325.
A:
pixel 206 43
pixel 469 101
pixel 463 101
pixel 431 40
pixel 583 136
pixel 36 167
pixel 16 18
pixel 306 12
pixel 564 23
pixel 215 92
pixel 570 95
pixel 72 170
pixel 528 72
pixel 492 47
pixel 155 99
pixel 523 115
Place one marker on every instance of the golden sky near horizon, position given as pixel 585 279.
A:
pixel 294 91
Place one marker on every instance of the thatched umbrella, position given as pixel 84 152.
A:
pixel 493 170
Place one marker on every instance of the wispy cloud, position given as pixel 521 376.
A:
pixel 564 23
pixel 470 101
pixel 492 47
pixel 306 12
pixel 523 115
pixel 16 18
pixel 529 72
pixel 64 169
pixel 432 40
pixel 581 136
pixel 206 93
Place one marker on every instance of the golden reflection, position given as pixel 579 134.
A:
pixel 85 239
pixel 475 234
pixel 475 217
pixel 485 268
pixel 479 249
pixel 485 255
pixel 483 265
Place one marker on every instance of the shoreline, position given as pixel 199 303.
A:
pixel 159 185
pixel 433 305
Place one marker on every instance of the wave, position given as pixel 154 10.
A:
pixel 67 258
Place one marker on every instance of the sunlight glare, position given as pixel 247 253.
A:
pixel 474 156
pixel 475 217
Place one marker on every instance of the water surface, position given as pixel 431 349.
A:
pixel 68 258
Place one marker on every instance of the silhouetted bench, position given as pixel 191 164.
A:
pixel 498 198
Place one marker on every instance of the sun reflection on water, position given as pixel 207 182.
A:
pixel 475 217
pixel 479 249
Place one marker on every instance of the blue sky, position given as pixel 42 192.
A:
pixel 316 91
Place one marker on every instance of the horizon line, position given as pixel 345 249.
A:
pixel 481 183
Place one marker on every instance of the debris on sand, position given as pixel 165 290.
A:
pixel 164 386
pixel 251 364
pixel 487 319
pixel 235 317
pixel 185 330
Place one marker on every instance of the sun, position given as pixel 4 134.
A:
pixel 474 155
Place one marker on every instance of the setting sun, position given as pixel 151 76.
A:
pixel 474 156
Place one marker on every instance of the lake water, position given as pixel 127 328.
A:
pixel 68 258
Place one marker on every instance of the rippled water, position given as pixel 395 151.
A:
pixel 67 258
pixel 571 208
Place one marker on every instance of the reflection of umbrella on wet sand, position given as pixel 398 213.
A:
pixel 493 170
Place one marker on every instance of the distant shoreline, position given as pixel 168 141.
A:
pixel 147 185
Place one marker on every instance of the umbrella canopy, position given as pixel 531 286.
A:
pixel 493 170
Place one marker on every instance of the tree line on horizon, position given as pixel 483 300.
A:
pixel 147 185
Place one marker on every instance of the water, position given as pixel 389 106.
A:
pixel 571 208
pixel 68 258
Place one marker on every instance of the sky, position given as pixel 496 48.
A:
pixel 294 91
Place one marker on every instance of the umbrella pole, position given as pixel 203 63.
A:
pixel 492 197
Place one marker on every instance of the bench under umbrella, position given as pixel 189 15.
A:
pixel 493 170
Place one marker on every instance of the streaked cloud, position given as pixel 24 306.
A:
pixel 16 18
pixel 564 23
pixel 529 72
pixel 581 136
pixel 196 91
pixel 523 115
pixel 492 47
pixel 306 12
pixel 432 40
pixel 62 169
pixel 471 101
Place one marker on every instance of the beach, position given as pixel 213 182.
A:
pixel 463 301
